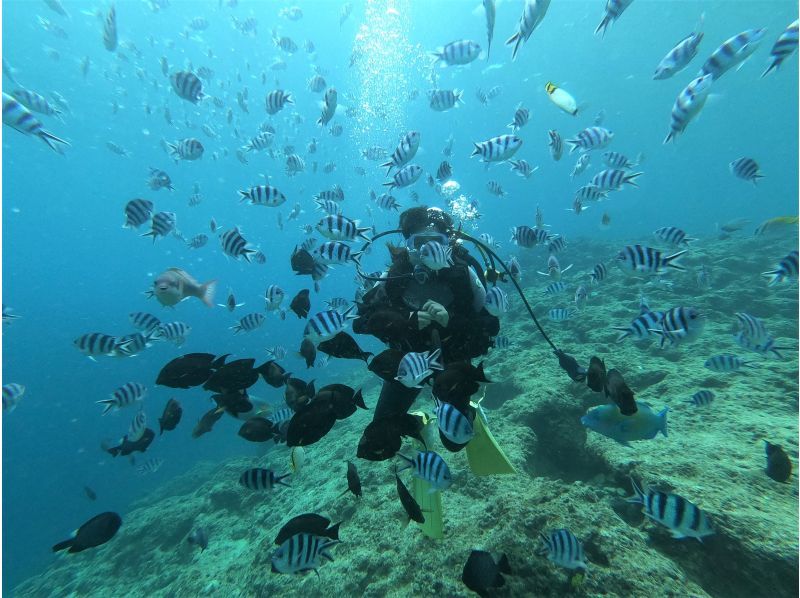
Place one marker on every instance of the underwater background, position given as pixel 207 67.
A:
pixel 70 268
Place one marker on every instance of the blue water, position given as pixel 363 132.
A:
pixel 70 268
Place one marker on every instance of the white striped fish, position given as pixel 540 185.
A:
pixel 276 100
pixel 732 52
pixel 330 102
pixel 784 46
pixel 688 105
pixel 186 149
pixel 681 517
pixel 137 427
pixel 564 549
pixel 248 323
pixel 415 367
pixel 786 268
pixel 613 11
pixel 406 176
pixel 497 149
pixel 235 245
pixel 747 169
pixel 110 30
pixel 532 14
pixel 591 138
pixel 431 467
pixel 301 552
pixel 404 152
pixel 727 363
pixel 263 195
pixel 36 103
pixel 327 324
pixel 458 52
pixel 680 56
pixel 454 425
pixel 187 86
pixel 556 144
pixel 491 10
pixel 125 396
pixel 444 99
pixel 18 117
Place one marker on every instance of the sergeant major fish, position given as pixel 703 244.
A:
pixel 688 105
pixel 532 14
pixel 732 52
pixel 784 46
pixel 680 56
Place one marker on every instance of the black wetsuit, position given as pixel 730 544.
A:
pixel 388 313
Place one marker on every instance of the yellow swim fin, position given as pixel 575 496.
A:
pixel 483 454
pixel 429 503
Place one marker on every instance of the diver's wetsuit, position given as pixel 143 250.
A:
pixel 388 312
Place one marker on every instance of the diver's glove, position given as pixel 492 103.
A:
pixel 423 319
pixel 437 312
pixel 570 365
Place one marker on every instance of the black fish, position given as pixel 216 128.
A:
pixel 779 466
pixel 207 422
pixel 411 506
pixel 457 383
pixel 616 389
pixel 308 523
pixel 233 402
pixel 342 399
pixel 198 537
pixel 310 423
pixel 236 375
pixel 126 447
pixel 297 393
pixel 90 494
pixel 385 325
pixel 98 530
pixel 301 304
pixel 383 437
pixel 596 376
pixel 386 363
pixel 353 481
pixel 273 373
pixel 344 346
pixel 257 429
pixel 189 370
pixel 302 262
pixel 481 573
pixel 308 352
pixel 171 416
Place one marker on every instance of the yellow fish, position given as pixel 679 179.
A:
pixel 774 225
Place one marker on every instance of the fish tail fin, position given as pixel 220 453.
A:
pixel 476 151
pixel 358 399
pixel 356 257
pixel 672 260
pixel 63 545
pixel 573 145
pixel 670 137
pixel 775 276
pixel 631 179
pixel 624 333
pixel 638 495
pixel 433 360
pixel 662 419
pixel 408 463
pixel 772 67
pixel 55 143
pixel 515 39
pixel 207 292
pixel 108 405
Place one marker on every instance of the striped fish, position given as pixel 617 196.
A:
pixel 137 212
pixel 340 228
pixel 414 367
pixel 330 101
pixel 554 288
pixel 302 552
pixel 522 168
pixel 276 100
pixel 525 236
pixel 263 195
pixel 186 149
pixel 435 256
pixel 496 302
pixel 406 176
pixel 444 172
pixel 612 179
pixel 458 52
pixel 786 268
pixel 36 103
pixel 590 193
pixel 727 363
pixel 336 252
pixel 18 117
pixel 444 99
pixel 335 194
pixel 329 206
pixel 491 10
pixel 135 343
pixel 673 236
pixel 732 52
pixel 404 152
pixel 591 138
pixel 281 416
pixel 159 180
pixel 598 273
pixel 260 142
pixel 680 324
pixel 248 323
pixel 556 244
pixel 385 201
pixel 501 342
pixel 521 117
pixel 374 153
pixel 752 327
pixel 613 11
pixel 556 144
pixel 454 425
pixel 327 324
pixel 137 427
pixel 688 105
pixel 702 398
pixel 764 347
pixel 187 86
pixel 564 549
pixel 110 30
pixel 12 393
pixel 681 517
pixel 618 160
pixel 175 332
pixel 680 56
pixel 784 46
pixel 497 149
pixel 581 164
pixel 532 14
pixel 125 396
pixel 96 343
pixel 274 297
pixel 747 169
pixel 235 245
pixel 197 241
pixel 317 84
pixel 561 314
pixel 496 188
pixel 144 321
pixel 639 258
pixel 162 224
pixel 150 466
pixel 259 478
pixel 641 326
pixel 431 467
pixel 294 164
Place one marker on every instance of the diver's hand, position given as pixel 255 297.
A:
pixel 437 312
pixel 423 319
pixel 570 365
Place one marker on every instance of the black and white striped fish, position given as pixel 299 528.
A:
pixel 294 164
pixel 590 193
pixel 259 478
pixel 501 342
pixel 280 416
pixel 137 427
pixel 613 11
pixel 680 324
pixel 340 228
pixel 525 236
pixel 554 288
pixel 137 212
pixel 385 201
pixel 496 302
pixel 581 164
pixel 406 176
pixel 732 52
pixel 96 343
pixel 336 252
pixel 18 117
pixel 727 363
pixel 488 239
pixel 521 117
pixel 187 85
pixel 747 169
pixel 175 332
pixel 497 149
pixel 681 517
pixel 688 104
pixel 374 153
pixel 316 84
pixel 152 465
pixel 458 52
pixel 638 258
pixel 702 398
pixel 680 56
pixel 495 188
pixel 327 324
pixel 144 321
pixel 431 467
pixel 329 206
pixel 330 101
pixel 263 195
pixel 556 144
pixel 197 241
pixel 673 236
pixel 564 549
pixel 612 179
pixel 765 347
pixel 36 103
pixel 406 149
pixel 752 327
pixel 162 224
pixel 159 180
pixel 415 367
pixel 598 273
pixel 591 138
pixel 110 30
pixel 125 396
pixel 784 46
pixel 522 168
pixel 556 244
pixel 134 343
pixel 12 393
pixel 453 424
pixel 335 194
pixel 560 314
pixel 444 99
pixel 532 14
pixel 641 327
pixel 235 245
pixel 302 552
pixel 260 142
pixel 248 323
pixel 444 172
pixel 435 256
pixel 186 149
pixel 276 100
pixel 786 268
pixel 618 160
pixel 274 297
